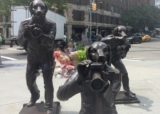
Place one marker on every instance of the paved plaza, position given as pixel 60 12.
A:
pixel 142 62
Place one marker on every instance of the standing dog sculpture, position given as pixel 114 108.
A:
pixel 37 34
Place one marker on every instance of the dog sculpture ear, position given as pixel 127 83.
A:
pixel 88 53
pixel 46 8
pixel 31 7
pixel 115 31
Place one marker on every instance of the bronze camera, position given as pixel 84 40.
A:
pixel 36 31
pixel 98 80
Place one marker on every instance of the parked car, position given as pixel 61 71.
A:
pixel 135 38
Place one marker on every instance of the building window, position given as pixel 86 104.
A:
pixel 106 19
pixel 112 20
pixel 94 17
pixel 79 2
pixel 78 15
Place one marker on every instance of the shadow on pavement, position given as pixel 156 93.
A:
pixel 145 103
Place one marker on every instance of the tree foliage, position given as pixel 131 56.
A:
pixel 58 5
pixel 139 17
pixel 5 7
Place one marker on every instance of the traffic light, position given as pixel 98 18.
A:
pixel 94 6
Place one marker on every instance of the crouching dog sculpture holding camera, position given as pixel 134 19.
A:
pixel 37 35
pixel 97 82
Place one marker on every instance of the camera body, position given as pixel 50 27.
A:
pixel 35 30
pixel 98 79
pixel 119 47
pixel 114 41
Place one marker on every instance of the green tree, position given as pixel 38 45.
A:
pixel 60 6
pixel 21 2
pixel 5 6
pixel 139 17
pixel 57 5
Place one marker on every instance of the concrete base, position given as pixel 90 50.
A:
pixel 123 99
pixel 40 109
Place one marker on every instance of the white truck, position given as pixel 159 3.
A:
pixel 20 13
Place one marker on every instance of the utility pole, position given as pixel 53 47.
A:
pixel 96 8
pixel 93 7
pixel 0 56
pixel 1 42
pixel 0 60
pixel 90 19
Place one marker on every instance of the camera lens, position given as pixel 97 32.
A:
pixel 97 84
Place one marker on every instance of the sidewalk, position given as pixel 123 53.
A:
pixel 144 81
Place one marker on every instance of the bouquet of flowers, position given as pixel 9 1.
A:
pixel 68 62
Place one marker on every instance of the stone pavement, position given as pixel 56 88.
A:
pixel 142 62
pixel 144 81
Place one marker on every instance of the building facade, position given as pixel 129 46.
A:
pixel 79 21
pixel 102 20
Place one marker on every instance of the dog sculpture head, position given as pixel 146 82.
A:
pixel 38 9
pixel 99 52
pixel 120 31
